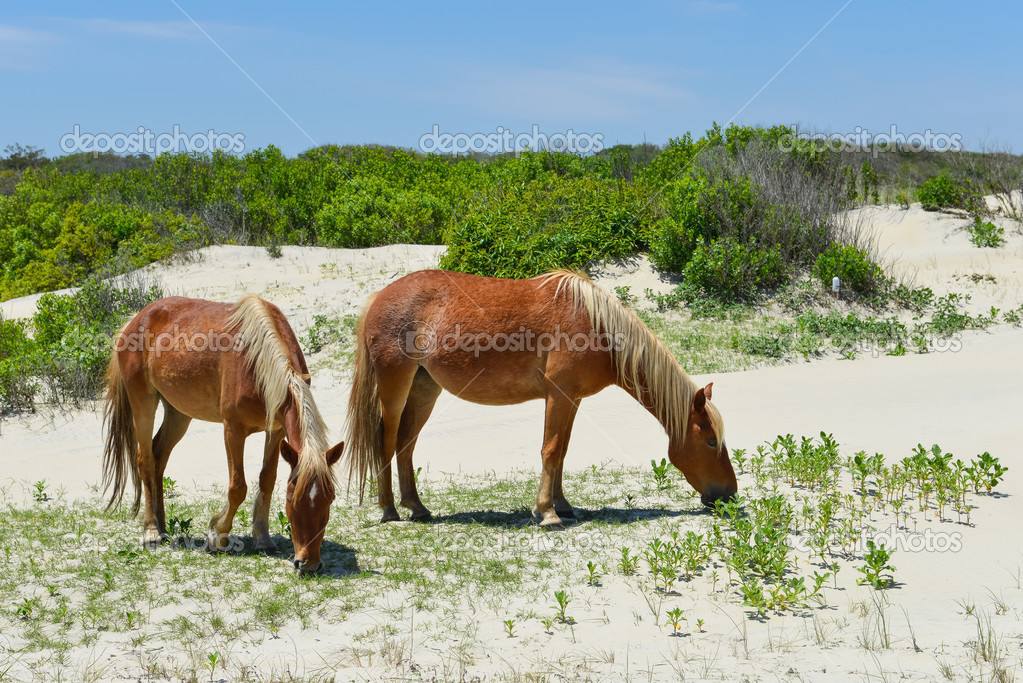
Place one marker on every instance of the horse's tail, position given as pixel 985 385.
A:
pixel 365 419
pixel 120 457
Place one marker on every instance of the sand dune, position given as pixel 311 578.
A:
pixel 969 401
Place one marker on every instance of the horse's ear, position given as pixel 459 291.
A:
pixel 289 454
pixel 334 454
pixel 700 400
pixel 707 390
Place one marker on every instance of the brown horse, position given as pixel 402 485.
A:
pixel 240 365
pixel 496 341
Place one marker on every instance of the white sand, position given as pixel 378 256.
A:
pixel 968 401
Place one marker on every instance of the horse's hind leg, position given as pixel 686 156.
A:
pixel 220 525
pixel 261 504
pixel 421 399
pixel 393 385
pixel 174 426
pixel 557 429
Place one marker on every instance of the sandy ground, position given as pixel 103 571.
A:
pixel 969 401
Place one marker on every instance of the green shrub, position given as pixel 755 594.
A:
pixel 727 270
pixel 986 234
pixel 17 388
pixel 941 192
pixel 74 333
pixel 529 230
pixel 853 267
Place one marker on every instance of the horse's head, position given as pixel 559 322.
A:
pixel 307 506
pixel 703 457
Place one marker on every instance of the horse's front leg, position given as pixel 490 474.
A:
pixel 561 505
pixel 220 526
pixel 557 430
pixel 261 504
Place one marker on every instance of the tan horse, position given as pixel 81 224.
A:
pixel 495 341
pixel 240 365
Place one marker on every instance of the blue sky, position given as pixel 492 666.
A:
pixel 389 72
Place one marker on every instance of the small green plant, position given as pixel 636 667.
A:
pixel 593 573
pixel 26 608
pixel 509 627
pixel 877 572
pixel 39 492
pixel 661 473
pixel 178 527
pixel 699 625
pixel 325 331
pixel 284 523
pixel 548 624
pixel 986 234
pixel 212 661
pixel 675 619
pixel 169 486
pixel 623 295
pixel 628 562
pixel 562 598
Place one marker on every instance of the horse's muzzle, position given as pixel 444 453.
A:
pixel 303 567
pixel 715 494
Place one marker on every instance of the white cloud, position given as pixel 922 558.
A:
pixel 588 89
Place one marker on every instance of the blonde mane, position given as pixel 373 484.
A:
pixel 268 358
pixel 644 364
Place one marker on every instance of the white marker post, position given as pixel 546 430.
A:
pixel 835 284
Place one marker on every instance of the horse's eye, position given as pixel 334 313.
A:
pixel 713 443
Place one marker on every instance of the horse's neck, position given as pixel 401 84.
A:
pixel 640 390
pixel 289 418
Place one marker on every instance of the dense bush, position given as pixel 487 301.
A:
pixel 17 388
pixel 852 266
pixel 941 192
pixel 531 229
pixel 69 347
pixel 771 200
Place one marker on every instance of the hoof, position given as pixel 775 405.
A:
pixel 549 520
pixel 265 545
pixel 217 543
pixel 153 539
pixel 418 512
pixel 390 516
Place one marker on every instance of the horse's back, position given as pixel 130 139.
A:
pixel 183 350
